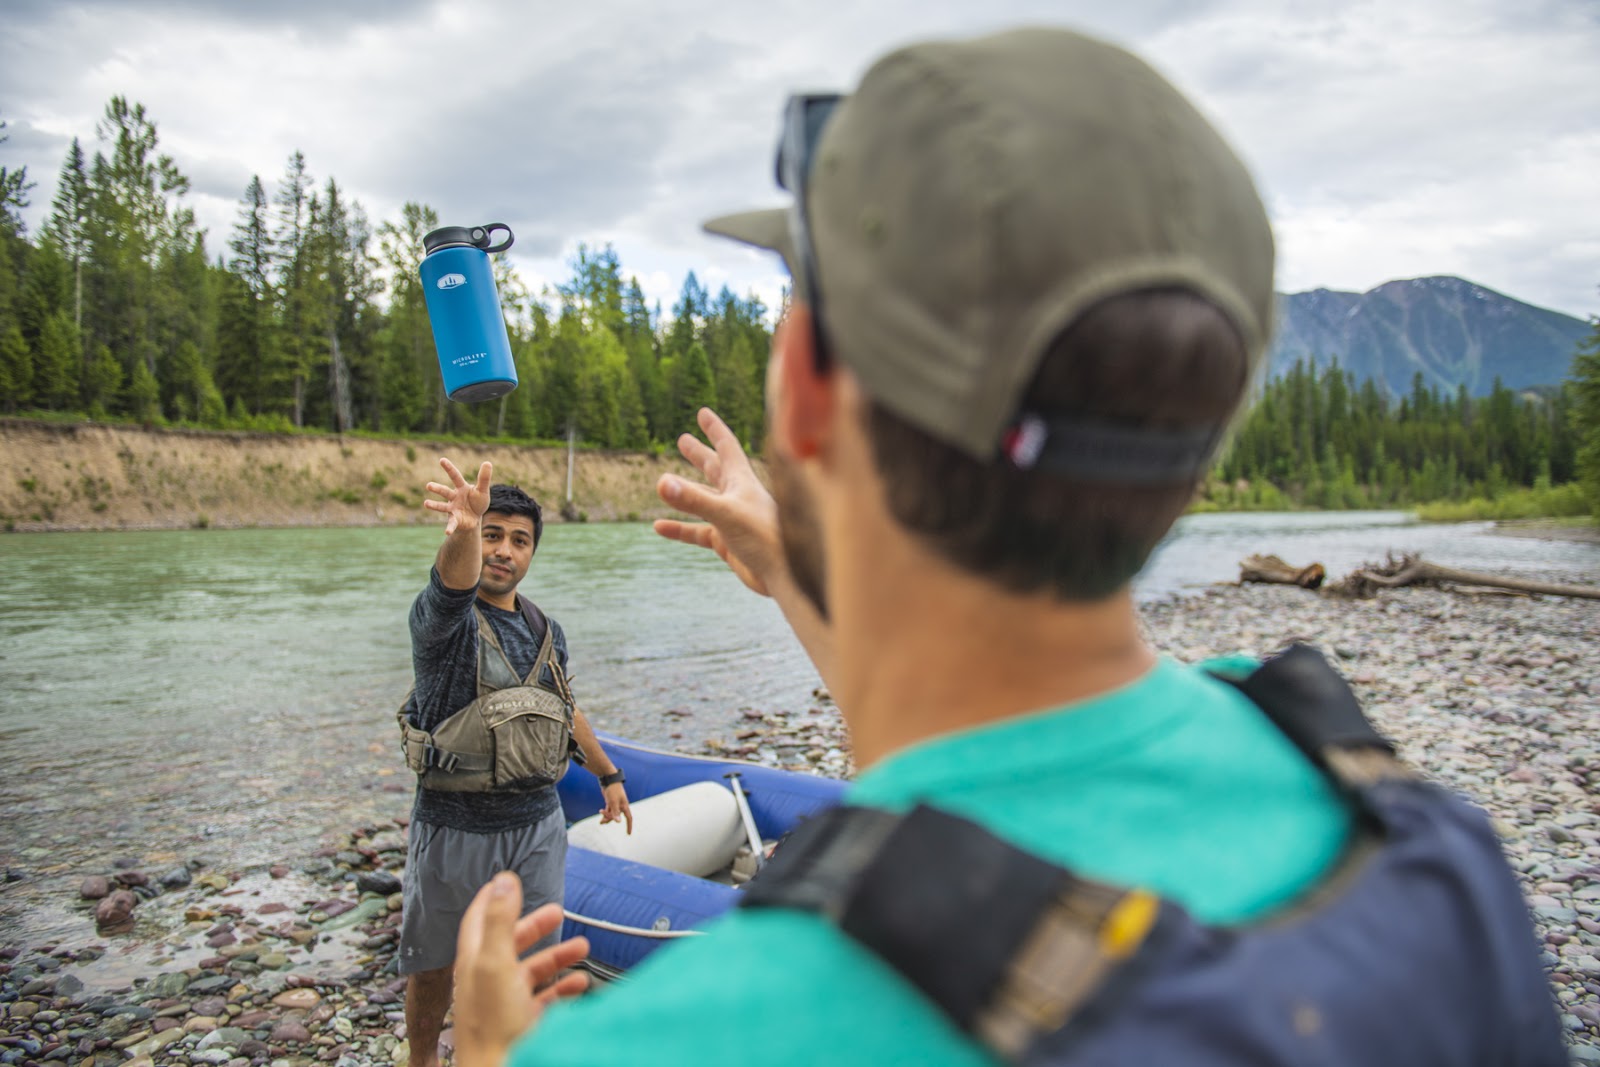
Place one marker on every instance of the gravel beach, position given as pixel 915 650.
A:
pixel 292 965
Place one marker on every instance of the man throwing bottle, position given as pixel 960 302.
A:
pixel 488 730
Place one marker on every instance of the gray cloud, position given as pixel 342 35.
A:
pixel 1434 136
pixel 319 14
pixel 565 148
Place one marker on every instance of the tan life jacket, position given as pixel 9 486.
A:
pixel 517 731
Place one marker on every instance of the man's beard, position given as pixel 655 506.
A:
pixel 495 583
pixel 798 532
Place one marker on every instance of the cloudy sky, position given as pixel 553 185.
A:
pixel 1392 139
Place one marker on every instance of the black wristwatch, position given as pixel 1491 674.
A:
pixel 613 778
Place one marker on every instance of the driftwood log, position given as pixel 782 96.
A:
pixel 1271 569
pixel 1414 570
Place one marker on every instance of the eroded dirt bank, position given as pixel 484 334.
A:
pixel 92 476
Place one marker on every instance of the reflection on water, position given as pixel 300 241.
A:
pixel 229 695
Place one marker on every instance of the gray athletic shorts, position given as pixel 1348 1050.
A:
pixel 445 868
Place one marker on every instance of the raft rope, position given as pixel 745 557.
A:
pixel 636 931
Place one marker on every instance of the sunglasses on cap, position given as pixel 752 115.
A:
pixel 804 117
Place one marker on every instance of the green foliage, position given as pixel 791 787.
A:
pixel 102 381
pixel 1319 439
pixel 313 318
pixel 16 370
pixel 1539 502
pixel 60 359
pixel 144 394
pixel 1585 388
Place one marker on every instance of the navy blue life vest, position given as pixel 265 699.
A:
pixel 1417 950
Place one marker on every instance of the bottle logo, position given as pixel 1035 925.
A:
pixel 451 281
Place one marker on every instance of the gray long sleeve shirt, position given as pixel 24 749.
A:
pixel 444 659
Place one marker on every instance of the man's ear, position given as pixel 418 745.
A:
pixel 802 396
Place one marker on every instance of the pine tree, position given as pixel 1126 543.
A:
pixel 303 305
pixel 60 363
pixel 14 188
pixel 692 388
pixel 102 380
pixel 138 218
pixel 1585 387
pixel 248 367
pixel 144 394
pixel 16 370
pixel 412 391
pixel 68 225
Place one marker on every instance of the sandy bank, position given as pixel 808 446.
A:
pixel 93 476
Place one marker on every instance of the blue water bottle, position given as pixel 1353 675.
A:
pixel 469 330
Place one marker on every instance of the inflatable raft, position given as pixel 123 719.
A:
pixel 695 840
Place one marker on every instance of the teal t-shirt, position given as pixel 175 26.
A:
pixel 1175 783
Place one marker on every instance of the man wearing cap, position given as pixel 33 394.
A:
pixel 1032 286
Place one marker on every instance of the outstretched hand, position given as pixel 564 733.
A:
pixel 498 997
pixel 740 518
pixel 462 501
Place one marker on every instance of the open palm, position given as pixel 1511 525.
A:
pixel 463 501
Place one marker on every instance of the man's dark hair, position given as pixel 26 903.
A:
pixel 509 500
pixel 1158 358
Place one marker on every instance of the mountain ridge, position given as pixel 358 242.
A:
pixel 1453 331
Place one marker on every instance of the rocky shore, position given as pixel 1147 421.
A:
pixel 293 965
pixel 288 966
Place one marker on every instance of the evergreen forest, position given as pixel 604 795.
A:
pixel 309 317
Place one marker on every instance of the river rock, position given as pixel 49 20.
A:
pixel 114 914
pixel 289 1030
pixel 298 999
pixel 213 1006
pixel 155 1043
pixel 224 1037
pixel 94 887
pixel 389 841
pixel 381 882
pixel 177 878
pixel 219 983
pixel 366 911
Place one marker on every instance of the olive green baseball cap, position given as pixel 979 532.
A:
pixel 970 199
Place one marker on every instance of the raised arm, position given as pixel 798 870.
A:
pixel 460 559
pixel 740 524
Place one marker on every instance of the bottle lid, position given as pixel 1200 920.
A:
pixel 467 236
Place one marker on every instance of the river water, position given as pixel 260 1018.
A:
pixel 229 695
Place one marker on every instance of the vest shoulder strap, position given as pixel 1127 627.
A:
pixel 1034 942
pixel 1311 703
pixel 546 644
